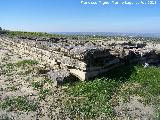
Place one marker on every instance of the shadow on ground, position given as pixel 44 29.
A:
pixel 122 73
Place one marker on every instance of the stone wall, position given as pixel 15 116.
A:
pixel 84 59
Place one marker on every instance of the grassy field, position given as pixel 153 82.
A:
pixel 97 98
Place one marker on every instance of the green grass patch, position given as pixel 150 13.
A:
pixel 12 88
pixel 39 86
pixel 92 99
pixel 8 68
pixel 19 103
pixel 145 82
pixel 26 62
pixel 97 98
pixel 43 93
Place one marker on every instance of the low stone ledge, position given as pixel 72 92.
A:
pixel 84 59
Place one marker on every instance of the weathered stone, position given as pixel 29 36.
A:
pixel 58 76
pixel 84 59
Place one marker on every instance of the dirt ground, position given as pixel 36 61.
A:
pixel 135 110
pixel 24 89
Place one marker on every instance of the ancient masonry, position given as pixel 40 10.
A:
pixel 83 59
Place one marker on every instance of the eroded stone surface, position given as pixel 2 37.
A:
pixel 84 59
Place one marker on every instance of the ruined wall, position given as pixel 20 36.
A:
pixel 84 59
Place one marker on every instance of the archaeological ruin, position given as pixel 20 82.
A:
pixel 83 58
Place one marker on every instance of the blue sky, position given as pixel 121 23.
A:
pixel 72 16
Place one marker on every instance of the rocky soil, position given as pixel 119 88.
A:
pixel 135 109
pixel 25 94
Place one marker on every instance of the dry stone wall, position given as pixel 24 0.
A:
pixel 83 59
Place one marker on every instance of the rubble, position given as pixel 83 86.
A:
pixel 84 59
pixel 58 76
